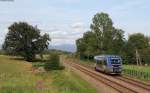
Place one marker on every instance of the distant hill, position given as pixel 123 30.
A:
pixel 64 47
pixel 0 46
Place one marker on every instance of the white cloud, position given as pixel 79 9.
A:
pixel 62 41
pixel 77 25
pixel 3 32
pixel 67 34
pixel 131 16
pixel 70 1
pixel 127 6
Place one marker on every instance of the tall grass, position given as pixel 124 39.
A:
pixel 68 82
pixel 138 68
pixel 139 72
pixel 16 77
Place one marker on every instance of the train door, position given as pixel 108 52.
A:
pixel 100 65
pixel 104 64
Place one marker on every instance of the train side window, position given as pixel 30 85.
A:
pixel 105 62
pixel 99 62
pixel 102 62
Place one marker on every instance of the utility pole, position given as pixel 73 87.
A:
pixel 138 59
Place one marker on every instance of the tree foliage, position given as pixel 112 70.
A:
pixel 141 43
pixel 104 38
pixel 99 39
pixel 25 40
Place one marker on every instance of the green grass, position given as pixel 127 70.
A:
pixel 11 65
pixel 138 68
pixel 138 72
pixel 16 77
pixel 68 82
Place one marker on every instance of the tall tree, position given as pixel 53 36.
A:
pixel 102 26
pixel 90 43
pixel 137 43
pixel 81 47
pixel 25 40
pixel 118 41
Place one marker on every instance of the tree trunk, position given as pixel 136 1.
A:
pixel 138 59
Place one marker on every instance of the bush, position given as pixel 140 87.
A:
pixel 2 52
pixel 38 64
pixel 53 63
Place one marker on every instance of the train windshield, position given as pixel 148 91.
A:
pixel 116 61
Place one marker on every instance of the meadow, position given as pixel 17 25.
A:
pixel 17 76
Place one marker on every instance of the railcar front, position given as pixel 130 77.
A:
pixel 115 64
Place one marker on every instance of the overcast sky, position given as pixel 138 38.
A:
pixel 67 20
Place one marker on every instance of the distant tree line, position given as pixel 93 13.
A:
pixel 51 51
pixel 104 38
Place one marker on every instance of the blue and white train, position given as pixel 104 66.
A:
pixel 110 64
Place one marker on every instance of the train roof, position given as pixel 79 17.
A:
pixel 100 57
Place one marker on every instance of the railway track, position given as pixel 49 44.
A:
pixel 138 83
pixel 121 88
pixel 135 82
